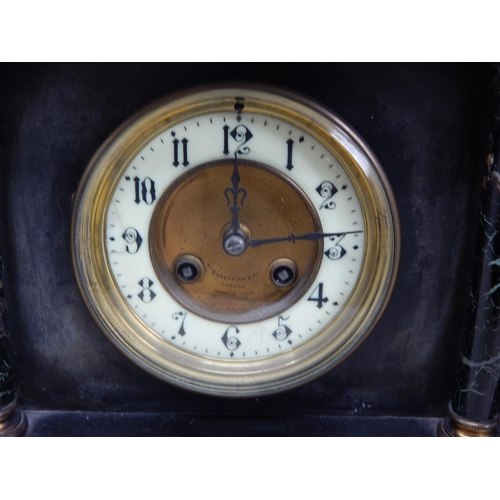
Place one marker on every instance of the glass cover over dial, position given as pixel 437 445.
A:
pixel 178 198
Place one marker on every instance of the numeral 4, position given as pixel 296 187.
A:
pixel 319 299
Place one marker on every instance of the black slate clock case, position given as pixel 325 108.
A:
pixel 429 126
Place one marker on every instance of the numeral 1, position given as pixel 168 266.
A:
pixel 289 165
pixel 226 139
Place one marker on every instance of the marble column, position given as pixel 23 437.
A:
pixel 12 421
pixel 475 407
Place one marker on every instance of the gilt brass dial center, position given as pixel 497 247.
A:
pixel 193 218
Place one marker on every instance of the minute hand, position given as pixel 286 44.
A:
pixel 312 236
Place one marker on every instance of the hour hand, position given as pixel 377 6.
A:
pixel 311 236
pixel 232 196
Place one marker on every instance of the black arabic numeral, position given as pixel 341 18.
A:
pixel 137 182
pixel 185 161
pixel 289 165
pixel 145 191
pixel 146 294
pixel 177 316
pixel 327 190
pixel 226 139
pixel 283 331
pixel 231 343
pixel 241 135
pixel 319 299
pixel 337 251
pixel 133 240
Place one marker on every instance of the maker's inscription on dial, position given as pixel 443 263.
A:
pixel 232 284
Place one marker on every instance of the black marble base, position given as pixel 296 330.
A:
pixel 61 423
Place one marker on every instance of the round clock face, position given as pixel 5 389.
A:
pixel 235 241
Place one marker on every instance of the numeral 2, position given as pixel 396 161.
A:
pixel 327 190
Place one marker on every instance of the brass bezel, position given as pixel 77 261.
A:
pixel 248 377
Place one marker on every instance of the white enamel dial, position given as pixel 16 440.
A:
pixel 274 143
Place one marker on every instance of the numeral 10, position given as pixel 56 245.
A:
pixel 144 191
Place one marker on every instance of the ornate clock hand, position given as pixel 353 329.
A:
pixel 235 241
pixel 235 191
pixel 311 236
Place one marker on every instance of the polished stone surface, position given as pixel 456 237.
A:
pixel 477 395
pixel 173 424
pixel 7 393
